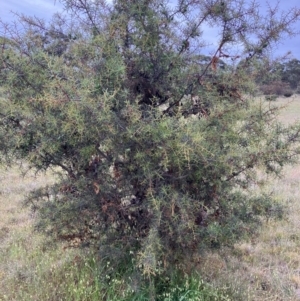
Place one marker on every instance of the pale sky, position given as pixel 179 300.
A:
pixel 46 8
pixel 40 8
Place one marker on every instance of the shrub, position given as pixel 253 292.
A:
pixel 288 93
pixel 109 102
pixel 271 97
pixel 275 88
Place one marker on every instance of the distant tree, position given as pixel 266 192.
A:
pixel 157 146
pixel 266 71
pixel 277 77
pixel 291 73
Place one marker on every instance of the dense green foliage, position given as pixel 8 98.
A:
pixel 156 145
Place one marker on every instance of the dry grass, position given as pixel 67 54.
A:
pixel 291 110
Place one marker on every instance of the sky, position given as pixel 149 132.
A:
pixel 46 8
pixel 41 8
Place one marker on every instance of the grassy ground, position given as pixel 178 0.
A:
pixel 291 110
pixel 32 268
